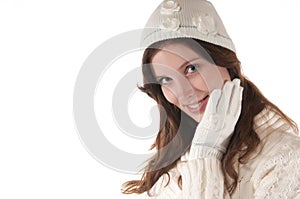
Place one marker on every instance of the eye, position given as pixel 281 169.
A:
pixel 164 80
pixel 191 68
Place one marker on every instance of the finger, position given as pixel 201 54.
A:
pixel 240 101
pixel 213 101
pixel 226 96
pixel 236 98
pixel 237 81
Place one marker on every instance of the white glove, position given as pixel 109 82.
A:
pixel 218 122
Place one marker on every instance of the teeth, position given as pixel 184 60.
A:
pixel 194 105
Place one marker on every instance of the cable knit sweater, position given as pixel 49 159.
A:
pixel 273 173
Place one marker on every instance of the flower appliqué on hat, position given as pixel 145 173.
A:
pixel 205 24
pixel 170 24
pixel 169 7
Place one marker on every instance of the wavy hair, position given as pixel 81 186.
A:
pixel 243 142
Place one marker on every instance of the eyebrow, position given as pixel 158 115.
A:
pixel 187 62
pixel 182 65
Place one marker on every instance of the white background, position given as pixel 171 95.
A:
pixel 42 47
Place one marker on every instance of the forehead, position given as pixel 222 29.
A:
pixel 174 54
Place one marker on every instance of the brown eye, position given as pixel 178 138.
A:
pixel 191 68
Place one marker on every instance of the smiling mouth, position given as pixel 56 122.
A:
pixel 199 106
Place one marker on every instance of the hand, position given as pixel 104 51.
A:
pixel 218 122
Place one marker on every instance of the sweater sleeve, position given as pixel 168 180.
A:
pixel 201 178
pixel 279 177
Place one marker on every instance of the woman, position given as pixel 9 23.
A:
pixel 219 136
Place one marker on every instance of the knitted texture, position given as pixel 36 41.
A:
pixel 273 173
pixel 186 19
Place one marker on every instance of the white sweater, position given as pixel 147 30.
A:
pixel 274 173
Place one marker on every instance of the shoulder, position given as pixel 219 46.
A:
pixel 278 142
pixel 277 162
pixel 279 150
pixel 278 138
pixel 278 170
pixel 275 133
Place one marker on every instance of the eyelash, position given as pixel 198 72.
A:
pixel 160 81
pixel 195 66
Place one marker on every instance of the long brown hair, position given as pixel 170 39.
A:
pixel 244 140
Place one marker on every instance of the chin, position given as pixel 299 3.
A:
pixel 197 118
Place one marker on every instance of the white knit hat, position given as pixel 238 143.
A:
pixel 186 19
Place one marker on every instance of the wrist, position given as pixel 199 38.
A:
pixel 203 151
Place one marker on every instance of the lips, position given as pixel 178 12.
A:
pixel 198 107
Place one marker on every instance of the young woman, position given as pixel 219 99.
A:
pixel 219 136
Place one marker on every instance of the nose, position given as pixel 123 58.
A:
pixel 184 91
pixel 187 96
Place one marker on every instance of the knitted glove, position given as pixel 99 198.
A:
pixel 219 119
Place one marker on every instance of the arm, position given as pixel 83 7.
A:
pixel 201 172
pixel 203 178
pixel 202 175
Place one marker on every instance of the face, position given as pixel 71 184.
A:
pixel 186 78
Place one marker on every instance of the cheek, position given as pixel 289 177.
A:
pixel 224 73
pixel 211 77
pixel 198 82
pixel 169 96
